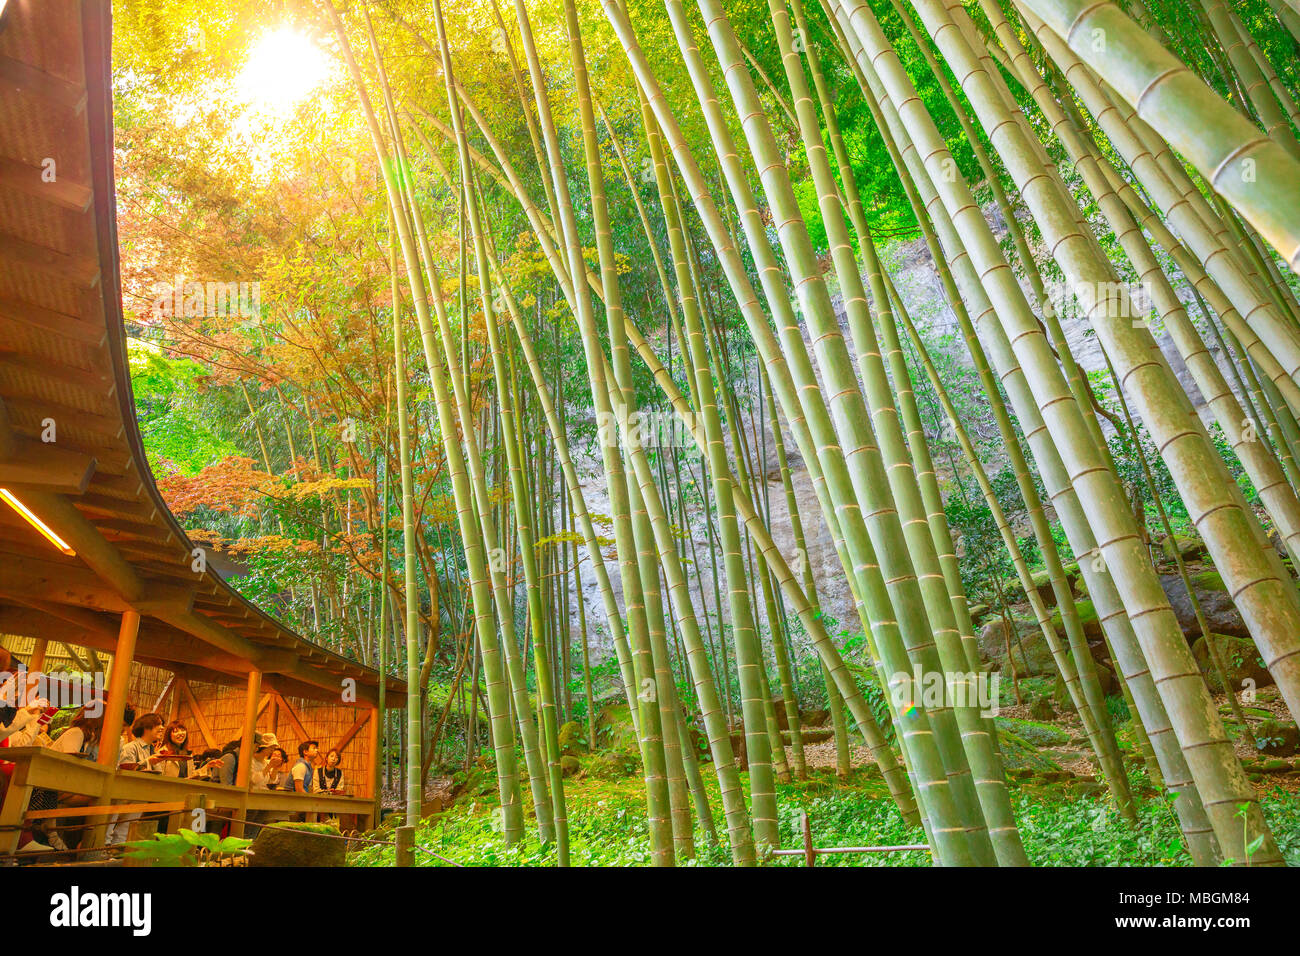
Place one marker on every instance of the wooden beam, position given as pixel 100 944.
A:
pixel 97 382
pixel 352 731
pixel 157 706
pixel 35 466
pixel 136 529
pixel 47 321
pixel 105 810
pixel 89 621
pixel 204 728
pixel 65 581
pixel 294 719
pixel 118 507
pixel 64 191
pixel 81 270
pixel 102 558
pixel 46 86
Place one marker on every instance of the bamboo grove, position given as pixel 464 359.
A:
pixel 603 221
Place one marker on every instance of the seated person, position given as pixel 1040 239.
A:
pixel 23 712
pixel 263 744
pixel 81 737
pixel 329 777
pixel 301 777
pixel 207 766
pixel 20 726
pixel 146 734
pixel 277 770
pixel 175 744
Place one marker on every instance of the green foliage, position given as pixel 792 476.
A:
pixel 169 405
pixel 1117 707
pixel 182 848
pixel 607 822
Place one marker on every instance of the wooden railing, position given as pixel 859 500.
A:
pixel 810 852
pixel 38 767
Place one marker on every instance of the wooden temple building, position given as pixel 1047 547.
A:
pixel 93 566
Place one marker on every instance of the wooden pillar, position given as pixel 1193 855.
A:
pixel 35 665
pixel 250 727
pixel 119 679
pixel 376 787
pixel 243 769
pixel 110 737
pixel 404 851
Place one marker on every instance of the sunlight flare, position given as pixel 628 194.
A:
pixel 283 69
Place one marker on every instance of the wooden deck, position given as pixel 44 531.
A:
pixel 39 767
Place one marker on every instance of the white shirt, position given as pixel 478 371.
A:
pixel 70 741
pixel 257 772
pixel 23 729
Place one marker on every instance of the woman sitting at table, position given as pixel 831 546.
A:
pixel 82 736
pixel 80 739
pixel 330 776
pixel 20 726
pixel 175 745
pixel 277 770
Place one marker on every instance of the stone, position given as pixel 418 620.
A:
pixel 298 844
pixel 611 766
pixel 1033 733
pixel 573 738
pixel 1106 677
pixel 1240 659
pixel 1277 738
pixel 1030 652
pixel 1220 613
pixel 815 718
pixel 614 730
pixel 1061 697
pixel 569 765
pixel 1041 709
pixel 1191 549
pixel 1088 620
pixel 1020 754
pixel 1043 585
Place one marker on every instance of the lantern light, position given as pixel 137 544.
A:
pixel 26 513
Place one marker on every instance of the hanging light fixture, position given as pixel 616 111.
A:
pixel 26 513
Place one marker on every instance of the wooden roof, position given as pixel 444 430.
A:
pixel 63 360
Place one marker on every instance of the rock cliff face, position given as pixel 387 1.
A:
pixel 912 268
